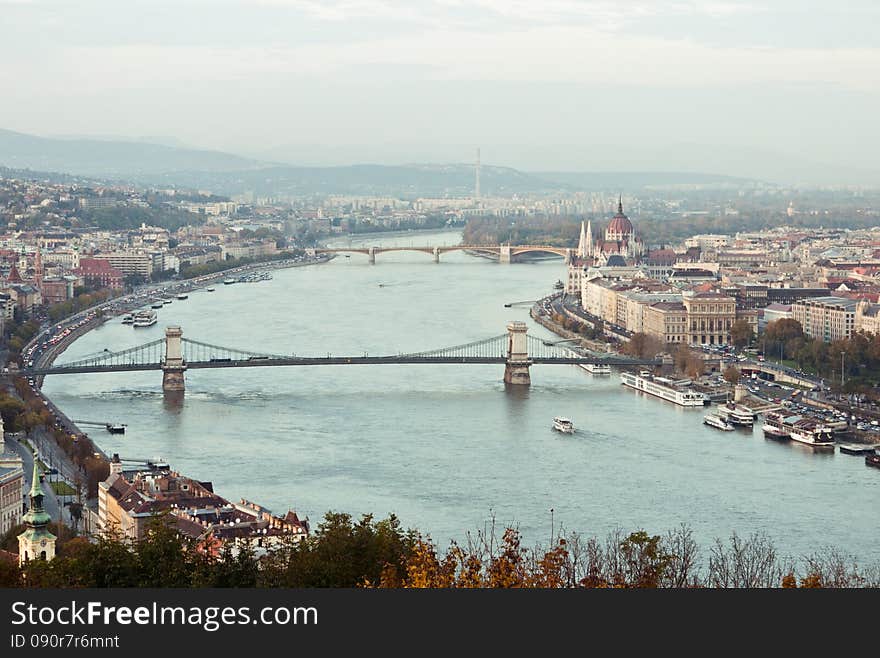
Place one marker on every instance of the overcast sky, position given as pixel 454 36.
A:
pixel 728 87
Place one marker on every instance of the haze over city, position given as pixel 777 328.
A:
pixel 781 91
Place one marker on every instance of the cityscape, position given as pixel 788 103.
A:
pixel 364 338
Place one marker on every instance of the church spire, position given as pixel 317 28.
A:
pixel 582 243
pixel 36 541
pixel 620 204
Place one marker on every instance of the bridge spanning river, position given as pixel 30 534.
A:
pixel 506 253
pixel 174 354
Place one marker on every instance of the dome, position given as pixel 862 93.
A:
pixel 620 223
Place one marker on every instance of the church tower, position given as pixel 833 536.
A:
pixel 36 543
pixel 38 270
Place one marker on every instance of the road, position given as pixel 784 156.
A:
pixel 50 500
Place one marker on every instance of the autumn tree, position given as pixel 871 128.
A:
pixel 732 375
pixel 741 333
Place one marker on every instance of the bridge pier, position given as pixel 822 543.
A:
pixel 173 366
pixel 371 255
pixel 504 254
pixel 436 254
pixel 516 370
pixel 568 255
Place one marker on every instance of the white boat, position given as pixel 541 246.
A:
pixel 211 289
pixel 668 389
pixel 716 421
pixel 228 282
pixel 813 435
pixel 167 300
pixel 128 319
pixel 597 368
pixel 182 296
pixel 145 318
pixel 736 414
pixel 563 425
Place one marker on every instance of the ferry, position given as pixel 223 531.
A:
pixel 228 282
pixel 668 389
pixel 145 319
pixel 128 319
pixel 563 425
pixel 158 305
pixel 559 285
pixel 211 289
pixel 167 300
pixel 797 428
pixel 736 414
pixel 597 368
pixel 716 421
pixel 182 296
pixel 773 426
pixel 116 428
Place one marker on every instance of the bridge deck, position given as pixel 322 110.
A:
pixel 334 361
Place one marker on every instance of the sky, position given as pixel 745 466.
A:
pixel 786 90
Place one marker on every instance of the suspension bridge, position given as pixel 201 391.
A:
pixel 173 355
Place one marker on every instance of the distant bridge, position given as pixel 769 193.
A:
pixel 173 355
pixel 506 253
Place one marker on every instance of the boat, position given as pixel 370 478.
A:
pixel 145 318
pixel 158 305
pixel 716 421
pixel 128 319
pixel 228 282
pixel 182 296
pixel 676 391
pixel 563 425
pixel 773 427
pixel 736 414
pixel 812 434
pixel 873 460
pixel 798 428
pixel 597 368
pixel 211 289
pixel 167 300
pixel 116 428
pixel 559 285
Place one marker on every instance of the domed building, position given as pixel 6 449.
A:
pixel 621 247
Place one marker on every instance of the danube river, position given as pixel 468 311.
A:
pixel 445 447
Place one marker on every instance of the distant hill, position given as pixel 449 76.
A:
pixel 148 163
pixel 110 159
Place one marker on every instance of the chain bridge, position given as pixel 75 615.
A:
pixel 174 354
pixel 506 253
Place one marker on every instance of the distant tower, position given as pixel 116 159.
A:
pixel 36 543
pixel 38 270
pixel 477 177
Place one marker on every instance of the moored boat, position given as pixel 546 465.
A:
pixel 128 319
pixel 676 391
pixel 182 296
pixel 873 460
pixel 228 282
pixel 736 414
pixel 773 427
pixel 564 425
pixel 716 421
pixel 145 318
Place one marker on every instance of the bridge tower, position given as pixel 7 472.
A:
pixel 173 366
pixel 436 254
pixel 504 254
pixel 568 255
pixel 517 369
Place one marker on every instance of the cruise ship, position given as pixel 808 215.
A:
pixel 737 414
pixel 668 389
pixel 145 318
pixel 716 421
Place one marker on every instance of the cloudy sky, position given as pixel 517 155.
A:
pixel 787 89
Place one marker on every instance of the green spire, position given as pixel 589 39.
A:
pixel 36 516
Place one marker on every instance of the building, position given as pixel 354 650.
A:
pixel 11 486
pixel 58 289
pixel 710 315
pixel 774 312
pixel 100 273
pixel 36 542
pixel 826 318
pixel 128 501
pixel 667 321
pixel 128 262
pixel 868 318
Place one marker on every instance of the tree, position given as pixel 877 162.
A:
pixel 643 345
pixel 732 375
pixel 741 333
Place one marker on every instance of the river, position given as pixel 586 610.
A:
pixel 446 446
